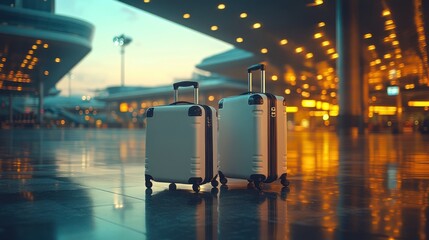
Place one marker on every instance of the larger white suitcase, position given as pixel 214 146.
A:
pixel 252 135
pixel 181 142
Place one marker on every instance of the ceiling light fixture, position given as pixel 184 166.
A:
pixel 257 25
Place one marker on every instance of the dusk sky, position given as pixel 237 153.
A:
pixel 160 52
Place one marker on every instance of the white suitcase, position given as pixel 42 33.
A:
pixel 181 142
pixel 252 135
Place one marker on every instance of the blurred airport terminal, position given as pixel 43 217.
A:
pixel 73 167
pixel 355 65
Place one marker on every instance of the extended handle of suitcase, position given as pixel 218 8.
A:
pixel 177 85
pixel 249 76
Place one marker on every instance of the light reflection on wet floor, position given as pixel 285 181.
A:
pixel 89 184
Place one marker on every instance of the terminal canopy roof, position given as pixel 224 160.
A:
pixel 297 39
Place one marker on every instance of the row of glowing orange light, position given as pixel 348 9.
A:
pixel 284 41
pixel 389 26
pixel 29 62
pixel 298 49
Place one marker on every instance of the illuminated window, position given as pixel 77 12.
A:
pixel 291 109
pixel 123 107
pixel 308 103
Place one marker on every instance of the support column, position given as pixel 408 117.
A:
pixel 41 103
pixel 350 89
pixel 122 65
pixel 10 109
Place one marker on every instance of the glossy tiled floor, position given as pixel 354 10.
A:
pixel 89 184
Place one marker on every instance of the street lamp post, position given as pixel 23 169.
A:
pixel 122 41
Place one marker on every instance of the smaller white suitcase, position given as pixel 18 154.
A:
pixel 252 135
pixel 181 142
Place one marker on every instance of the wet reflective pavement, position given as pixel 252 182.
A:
pixel 89 184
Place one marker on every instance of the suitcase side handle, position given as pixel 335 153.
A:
pixel 185 84
pixel 249 76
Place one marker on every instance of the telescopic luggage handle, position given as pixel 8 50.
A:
pixel 249 76
pixel 185 84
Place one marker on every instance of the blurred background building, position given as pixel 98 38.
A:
pixel 37 48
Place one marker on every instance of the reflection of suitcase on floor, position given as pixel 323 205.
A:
pixel 181 214
pixel 181 142
pixel 252 135
pixel 252 214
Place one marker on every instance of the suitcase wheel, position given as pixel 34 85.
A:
pixel 222 179
pixel 284 181
pixel 196 188
pixel 172 187
pixel 214 183
pixel 259 185
pixel 148 184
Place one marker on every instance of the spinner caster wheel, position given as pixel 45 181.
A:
pixel 172 187
pixel 196 188
pixel 148 184
pixel 214 183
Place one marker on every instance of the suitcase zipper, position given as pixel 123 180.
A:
pixel 272 138
pixel 209 144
